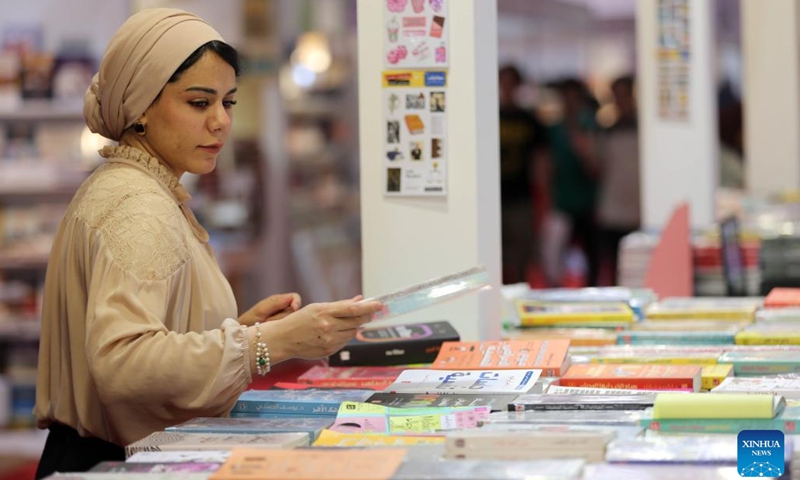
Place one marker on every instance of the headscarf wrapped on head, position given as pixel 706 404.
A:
pixel 139 60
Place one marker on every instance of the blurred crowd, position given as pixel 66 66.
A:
pixel 570 187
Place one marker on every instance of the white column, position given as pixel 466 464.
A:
pixel 407 240
pixel 771 94
pixel 679 158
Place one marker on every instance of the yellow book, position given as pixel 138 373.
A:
pixel 713 375
pixel 535 313
pixel 703 406
pixel 778 333
pixel 703 308
pixel 689 325
pixel 704 359
pixel 329 438
pixel 578 337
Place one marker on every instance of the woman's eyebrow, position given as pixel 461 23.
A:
pixel 210 90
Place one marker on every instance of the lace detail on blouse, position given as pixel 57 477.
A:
pixel 163 175
pixel 141 225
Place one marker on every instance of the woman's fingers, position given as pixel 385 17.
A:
pixel 349 308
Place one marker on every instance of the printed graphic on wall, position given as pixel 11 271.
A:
pixel 416 34
pixel 674 55
pixel 415 144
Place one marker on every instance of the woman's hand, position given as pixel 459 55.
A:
pixel 271 308
pixel 317 330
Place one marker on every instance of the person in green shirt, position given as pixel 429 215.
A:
pixel 574 168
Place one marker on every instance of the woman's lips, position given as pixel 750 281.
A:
pixel 211 148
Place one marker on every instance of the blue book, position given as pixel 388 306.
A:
pixel 275 415
pixel 645 337
pixel 310 425
pixel 297 402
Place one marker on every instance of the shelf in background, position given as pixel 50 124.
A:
pixel 24 443
pixel 32 262
pixel 59 190
pixel 43 110
pixel 21 178
pixel 19 328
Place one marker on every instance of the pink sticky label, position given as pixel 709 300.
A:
pixel 414 22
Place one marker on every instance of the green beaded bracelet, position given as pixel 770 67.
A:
pixel 263 365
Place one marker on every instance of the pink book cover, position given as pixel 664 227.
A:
pixel 345 377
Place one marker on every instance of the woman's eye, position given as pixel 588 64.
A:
pixel 199 103
pixel 229 103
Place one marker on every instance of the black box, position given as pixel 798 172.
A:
pixel 395 345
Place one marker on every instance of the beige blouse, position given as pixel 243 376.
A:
pixel 137 322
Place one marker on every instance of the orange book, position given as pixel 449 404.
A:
pixel 634 376
pixel 550 356
pixel 414 124
pixel 782 297
pixel 373 378
pixel 310 464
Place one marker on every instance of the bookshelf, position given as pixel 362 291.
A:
pixel 42 164
pixel 321 146
pixel 42 110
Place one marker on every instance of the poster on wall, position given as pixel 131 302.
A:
pixel 415 34
pixel 674 55
pixel 415 125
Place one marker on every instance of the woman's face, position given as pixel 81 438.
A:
pixel 190 121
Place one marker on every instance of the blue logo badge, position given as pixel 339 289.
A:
pixel 761 453
pixel 435 79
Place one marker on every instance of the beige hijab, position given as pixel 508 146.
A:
pixel 139 60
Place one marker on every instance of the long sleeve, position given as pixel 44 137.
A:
pixel 149 377
pixel 137 325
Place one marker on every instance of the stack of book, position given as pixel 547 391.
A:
pixel 709 273
pixel 294 403
pixel 585 316
pixel 311 426
pixel 180 442
pixel 417 402
pixel 732 413
pixel 709 308
pixel 779 262
pixel 681 332
pixel 635 251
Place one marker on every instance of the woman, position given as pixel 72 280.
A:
pixel 138 323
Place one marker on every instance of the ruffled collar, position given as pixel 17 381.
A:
pixel 151 164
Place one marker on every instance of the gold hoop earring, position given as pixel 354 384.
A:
pixel 139 128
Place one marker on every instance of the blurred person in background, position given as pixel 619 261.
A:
pixel 523 148
pixel 618 209
pixel 573 174
pixel 731 148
